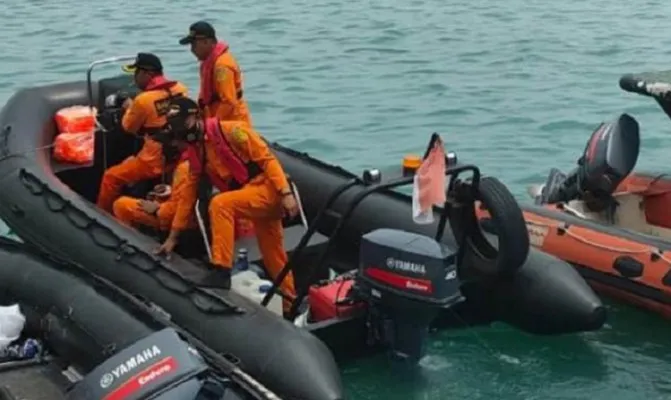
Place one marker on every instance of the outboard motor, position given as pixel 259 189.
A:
pixel 161 366
pixel 610 155
pixel 405 279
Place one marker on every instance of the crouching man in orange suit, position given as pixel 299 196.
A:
pixel 251 182
pixel 163 209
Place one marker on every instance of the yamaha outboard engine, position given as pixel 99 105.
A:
pixel 161 366
pixel 610 155
pixel 406 279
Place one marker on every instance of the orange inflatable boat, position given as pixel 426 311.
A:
pixel 613 224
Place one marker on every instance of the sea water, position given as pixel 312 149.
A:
pixel 515 87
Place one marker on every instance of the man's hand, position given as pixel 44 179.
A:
pixel 149 206
pixel 289 205
pixel 126 103
pixel 167 247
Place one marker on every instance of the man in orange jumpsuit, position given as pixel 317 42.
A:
pixel 251 182
pixel 221 92
pixel 144 115
pixel 161 211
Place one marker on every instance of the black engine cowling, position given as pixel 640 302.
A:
pixel 610 155
pixel 112 92
pixel 406 279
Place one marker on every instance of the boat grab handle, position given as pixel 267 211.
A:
pixel 203 229
pixel 304 220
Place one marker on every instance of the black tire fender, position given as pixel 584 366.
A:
pixel 507 219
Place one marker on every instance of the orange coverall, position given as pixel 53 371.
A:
pixel 230 103
pixel 259 201
pixel 146 111
pixel 171 214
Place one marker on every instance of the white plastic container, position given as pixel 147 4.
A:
pixel 249 284
pixel 11 324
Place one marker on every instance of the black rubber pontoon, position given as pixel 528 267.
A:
pixel 85 321
pixel 544 296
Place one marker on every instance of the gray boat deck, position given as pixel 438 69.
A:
pixel 33 382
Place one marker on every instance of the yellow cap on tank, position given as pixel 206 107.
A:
pixel 411 163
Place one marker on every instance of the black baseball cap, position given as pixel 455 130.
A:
pixel 199 30
pixel 145 61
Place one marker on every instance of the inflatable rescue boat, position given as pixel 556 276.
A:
pixel 262 343
pixel 94 341
pixel 613 224
pixel 393 273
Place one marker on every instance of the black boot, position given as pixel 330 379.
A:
pixel 216 278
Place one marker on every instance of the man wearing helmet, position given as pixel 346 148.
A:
pixel 251 182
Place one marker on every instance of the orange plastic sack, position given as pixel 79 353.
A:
pixel 76 119
pixel 74 148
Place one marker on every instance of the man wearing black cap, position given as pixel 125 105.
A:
pixel 143 116
pixel 221 92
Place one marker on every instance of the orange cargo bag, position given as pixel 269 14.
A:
pixel 75 142
pixel 76 119
pixel 75 148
